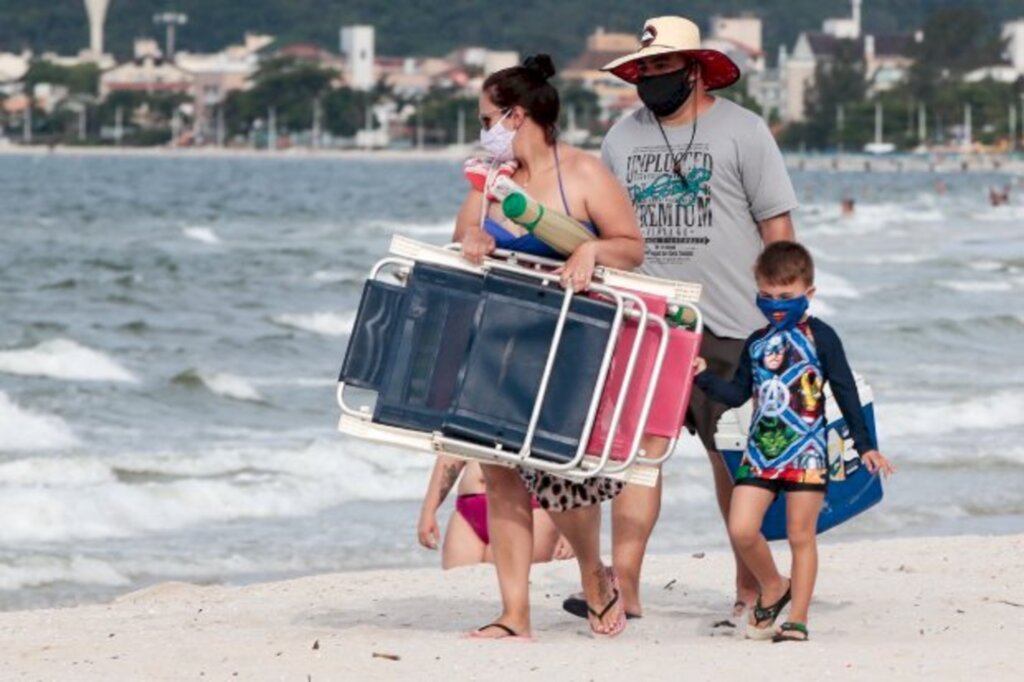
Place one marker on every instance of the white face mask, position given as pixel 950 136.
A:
pixel 497 141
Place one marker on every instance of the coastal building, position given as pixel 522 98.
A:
pixel 886 58
pixel 215 76
pixel 96 10
pixel 148 72
pixel 767 87
pixel 614 96
pixel 1013 34
pixel 845 28
pixel 740 38
pixel 412 77
pixel 357 47
pixel 13 68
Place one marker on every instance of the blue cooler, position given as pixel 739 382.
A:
pixel 852 489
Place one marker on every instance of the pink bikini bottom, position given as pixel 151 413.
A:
pixel 474 509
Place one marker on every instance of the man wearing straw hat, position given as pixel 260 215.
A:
pixel 710 189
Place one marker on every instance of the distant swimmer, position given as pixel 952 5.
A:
pixel 999 197
pixel 847 206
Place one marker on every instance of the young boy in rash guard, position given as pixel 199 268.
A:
pixel 784 366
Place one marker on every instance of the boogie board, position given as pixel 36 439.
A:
pixel 852 489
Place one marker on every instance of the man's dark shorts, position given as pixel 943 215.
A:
pixel 723 357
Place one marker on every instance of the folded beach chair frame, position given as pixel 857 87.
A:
pixel 636 467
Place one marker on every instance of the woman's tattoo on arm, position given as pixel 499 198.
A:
pixel 448 479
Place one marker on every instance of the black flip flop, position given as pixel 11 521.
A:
pixel 767 615
pixel 577 606
pixel 509 633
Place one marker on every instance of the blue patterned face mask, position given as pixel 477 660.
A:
pixel 791 310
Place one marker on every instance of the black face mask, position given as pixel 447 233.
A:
pixel 665 93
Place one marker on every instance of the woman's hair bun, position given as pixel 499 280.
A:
pixel 541 64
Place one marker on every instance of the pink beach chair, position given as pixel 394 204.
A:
pixel 672 391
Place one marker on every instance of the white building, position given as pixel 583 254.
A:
pixel 886 59
pixel 747 55
pixel 97 11
pixel 147 73
pixel 744 30
pixel 1013 34
pixel 217 75
pixel 846 28
pixel 357 46
pixel 14 66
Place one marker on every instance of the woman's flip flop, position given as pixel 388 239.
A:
pixel 620 622
pixel 509 636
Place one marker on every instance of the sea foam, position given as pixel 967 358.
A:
pixel 64 359
pixel 206 235
pixel 23 429
pixel 328 324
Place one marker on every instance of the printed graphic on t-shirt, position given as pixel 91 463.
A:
pixel 674 209
pixel 787 437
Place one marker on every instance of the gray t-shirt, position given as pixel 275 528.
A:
pixel 706 230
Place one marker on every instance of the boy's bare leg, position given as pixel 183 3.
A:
pixel 802 509
pixel 510 525
pixel 635 511
pixel 746 512
pixel 746 582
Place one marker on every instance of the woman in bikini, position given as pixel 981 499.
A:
pixel 466 539
pixel 519 112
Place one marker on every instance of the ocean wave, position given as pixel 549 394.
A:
pixel 46 570
pixel 977 286
pixel 300 382
pixel 820 308
pixel 830 285
pixel 64 359
pixel 22 429
pixel 414 229
pixel 206 235
pixel 328 324
pixel 964 457
pixel 220 383
pixel 985 265
pixel 994 411
pixel 1001 214
pixel 56 472
pixel 875 258
pixel 869 218
pixel 148 494
pixel 339 277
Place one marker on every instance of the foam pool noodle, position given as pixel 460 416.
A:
pixel 557 230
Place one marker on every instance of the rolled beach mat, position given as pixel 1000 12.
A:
pixel 557 230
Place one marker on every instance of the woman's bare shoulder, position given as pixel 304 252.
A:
pixel 581 161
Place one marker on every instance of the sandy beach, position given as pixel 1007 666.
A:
pixel 921 608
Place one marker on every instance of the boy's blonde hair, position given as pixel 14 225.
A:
pixel 784 263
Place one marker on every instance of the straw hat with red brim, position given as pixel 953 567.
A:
pixel 668 35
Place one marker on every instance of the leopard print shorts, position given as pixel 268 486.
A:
pixel 558 494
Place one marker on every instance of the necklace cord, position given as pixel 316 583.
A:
pixel 677 162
